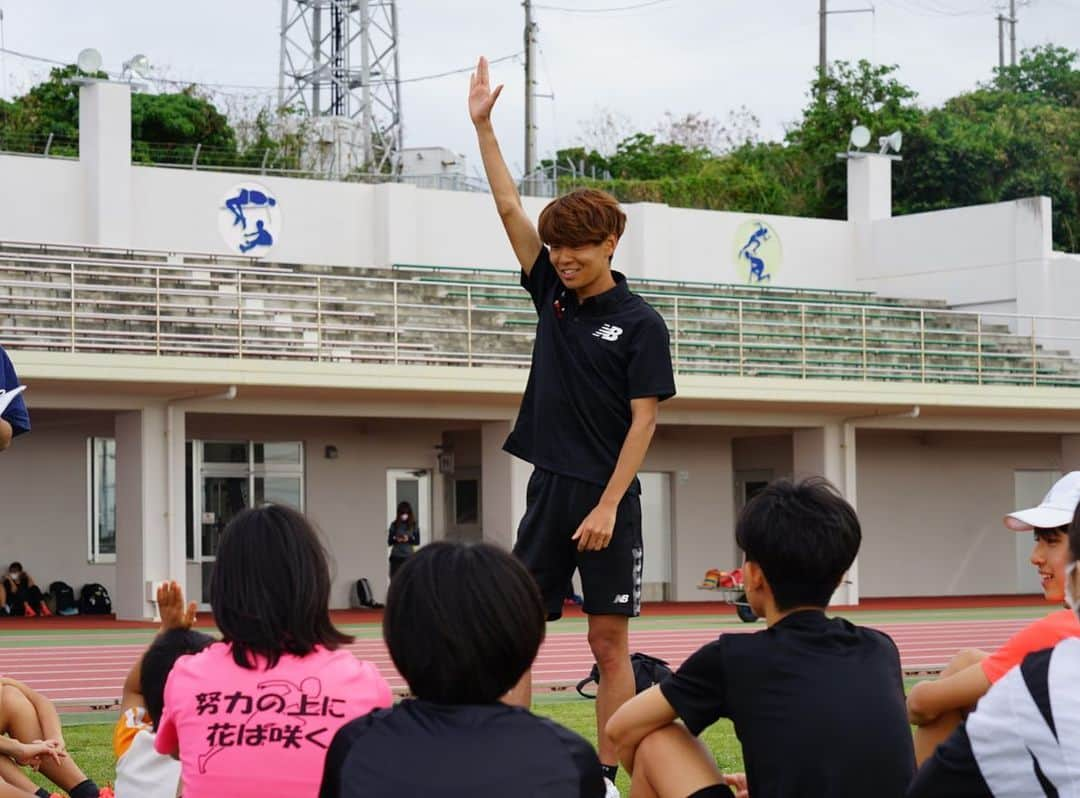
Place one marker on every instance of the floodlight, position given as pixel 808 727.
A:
pixel 891 142
pixel 860 137
pixel 89 61
pixel 139 66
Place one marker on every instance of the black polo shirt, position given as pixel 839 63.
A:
pixel 817 703
pixel 422 750
pixel 589 360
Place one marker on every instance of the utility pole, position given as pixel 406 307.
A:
pixel 530 96
pixel 1012 32
pixel 1001 41
pixel 823 33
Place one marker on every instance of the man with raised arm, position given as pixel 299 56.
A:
pixel 600 367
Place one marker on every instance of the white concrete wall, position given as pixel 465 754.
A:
pixel 973 256
pixel 43 496
pixel 931 505
pixel 1052 289
pixel 41 199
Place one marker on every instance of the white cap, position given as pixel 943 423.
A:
pixel 1056 510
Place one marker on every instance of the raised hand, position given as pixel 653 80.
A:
pixel 32 753
pixel 481 97
pixel 174 614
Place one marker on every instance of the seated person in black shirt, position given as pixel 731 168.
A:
pixel 21 595
pixel 817 703
pixel 463 624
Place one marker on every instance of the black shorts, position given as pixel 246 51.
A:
pixel 610 578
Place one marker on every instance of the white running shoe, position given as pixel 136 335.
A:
pixel 610 790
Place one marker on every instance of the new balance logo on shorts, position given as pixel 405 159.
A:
pixel 621 598
pixel 609 332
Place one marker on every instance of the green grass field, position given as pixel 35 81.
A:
pixel 90 740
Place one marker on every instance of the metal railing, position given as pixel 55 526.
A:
pixel 88 304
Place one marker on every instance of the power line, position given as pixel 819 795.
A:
pixel 179 82
pixel 609 10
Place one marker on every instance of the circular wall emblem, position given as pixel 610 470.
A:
pixel 757 250
pixel 249 219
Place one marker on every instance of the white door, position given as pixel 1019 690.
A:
pixel 412 485
pixel 1029 487
pixel 656 535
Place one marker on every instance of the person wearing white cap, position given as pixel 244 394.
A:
pixel 936 707
pixel 1019 739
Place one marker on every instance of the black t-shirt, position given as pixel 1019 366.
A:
pixel 422 750
pixel 589 361
pixel 817 703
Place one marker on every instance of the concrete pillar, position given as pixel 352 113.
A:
pixel 503 480
pixel 829 451
pixel 1070 453
pixel 645 249
pixel 105 156
pixel 394 224
pixel 869 187
pixel 149 508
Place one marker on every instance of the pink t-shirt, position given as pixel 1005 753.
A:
pixel 261 732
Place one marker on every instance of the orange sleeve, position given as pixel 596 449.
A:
pixel 1043 633
pixel 127 726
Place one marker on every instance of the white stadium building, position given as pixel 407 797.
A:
pixel 199 341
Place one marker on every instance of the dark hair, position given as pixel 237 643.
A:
pixel 15 566
pixel 1074 534
pixel 405 507
pixel 463 622
pixel 1049 533
pixel 270 588
pixel 804 536
pixel 585 216
pixel 158 661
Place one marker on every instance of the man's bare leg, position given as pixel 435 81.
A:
pixel 608 639
pixel 931 735
pixel 672 762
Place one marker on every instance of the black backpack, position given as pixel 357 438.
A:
pixel 362 595
pixel 647 672
pixel 63 596
pixel 94 600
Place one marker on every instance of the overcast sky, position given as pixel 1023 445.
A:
pixel 708 56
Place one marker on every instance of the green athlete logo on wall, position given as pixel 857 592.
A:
pixel 758 254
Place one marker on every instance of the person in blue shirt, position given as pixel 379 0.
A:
pixel 15 419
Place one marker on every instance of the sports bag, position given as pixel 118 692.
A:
pixel 63 596
pixel 647 672
pixel 94 600
pixel 362 595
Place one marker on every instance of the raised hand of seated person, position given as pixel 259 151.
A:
pixel 174 613
pixel 32 753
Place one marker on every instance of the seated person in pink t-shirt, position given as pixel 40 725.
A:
pixel 938 706
pixel 254 714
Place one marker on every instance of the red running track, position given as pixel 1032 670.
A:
pixel 82 675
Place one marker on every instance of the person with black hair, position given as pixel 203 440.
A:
pixel 141 772
pixel 463 623
pixel 254 714
pixel 817 703
pixel 21 594
pixel 14 420
pixel 403 537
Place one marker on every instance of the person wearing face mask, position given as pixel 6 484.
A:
pixel 938 706
pixel 403 537
pixel 21 596
pixel 1019 740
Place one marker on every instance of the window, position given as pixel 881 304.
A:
pixel 102 473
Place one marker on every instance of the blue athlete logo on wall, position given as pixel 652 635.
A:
pixel 249 219
pixel 758 253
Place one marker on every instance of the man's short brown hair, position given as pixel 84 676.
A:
pixel 582 217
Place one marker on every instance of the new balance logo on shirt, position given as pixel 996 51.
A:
pixel 622 598
pixel 609 332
